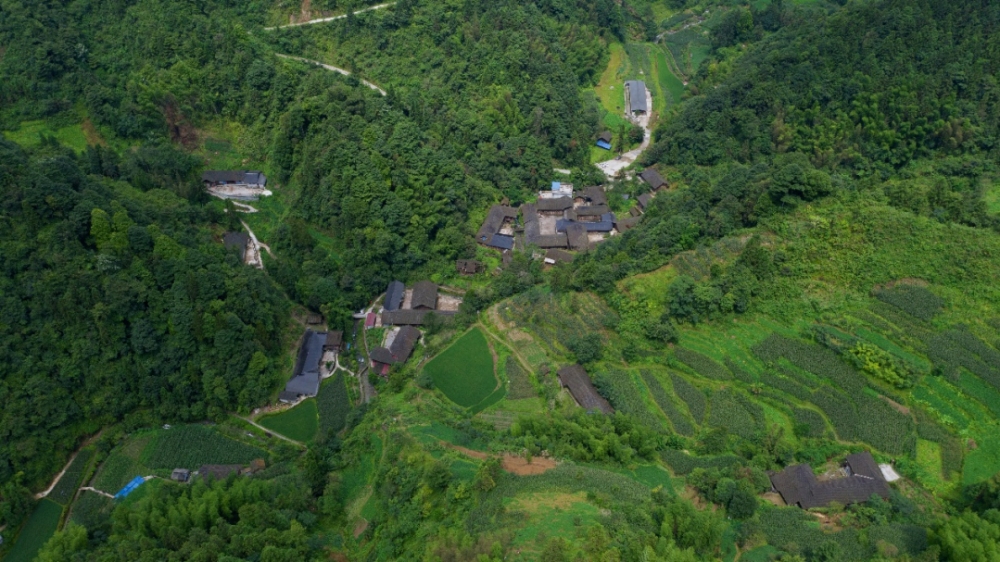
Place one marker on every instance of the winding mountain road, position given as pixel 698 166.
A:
pixel 333 18
pixel 334 69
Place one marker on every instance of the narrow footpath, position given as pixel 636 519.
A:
pixel 271 431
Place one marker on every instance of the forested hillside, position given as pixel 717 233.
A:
pixel 815 281
pixel 116 300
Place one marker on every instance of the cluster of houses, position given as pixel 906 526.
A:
pixel 402 311
pixel 560 221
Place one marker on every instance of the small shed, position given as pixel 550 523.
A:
pixel 604 140
pixel 554 256
pixel 334 339
pixel 644 200
pixel 314 319
pixel 628 223
pixel 180 475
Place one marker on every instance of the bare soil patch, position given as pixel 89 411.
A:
pixel 448 302
pixel 90 133
pixel 361 527
pixel 514 464
pixel 774 498
pixel 899 407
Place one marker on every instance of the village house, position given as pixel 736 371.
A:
pixel 653 179
pixel 644 200
pixel 394 295
pixel 306 377
pixel 399 350
pixel 554 256
pixel 627 223
pixel 497 230
pixel 577 382
pixel 799 486
pixel 635 97
pixel 180 475
pixel 252 179
pixel 425 296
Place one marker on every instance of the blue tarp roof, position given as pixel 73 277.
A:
pixel 604 144
pixel 556 185
pixel 130 487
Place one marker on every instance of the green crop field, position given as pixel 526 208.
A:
pixel 65 489
pixel 299 423
pixel 191 446
pixel 36 532
pixel 30 134
pixel 464 371
pixel 333 403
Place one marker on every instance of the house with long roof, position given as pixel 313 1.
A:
pixel 398 351
pixel 635 97
pixel 306 376
pixel 576 380
pixel 799 486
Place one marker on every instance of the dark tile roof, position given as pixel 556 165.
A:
pixel 410 317
pixel 234 176
pixel 576 380
pixel 334 338
pixel 605 136
pixel 653 178
pixel 468 267
pixel 180 474
pixel 488 232
pixel 595 195
pixel 286 396
pixel 559 256
pixel 305 380
pixel 863 464
pixel 554 204
pixel 532 229
pixel 644 200
pixel 381 355
pixel 394 294
pixel 576 235
pixel 592 210
pixel 635 211
pixel 606 223
pixel 557 240
pixel 425 295
pixel 798 485
pixel 627 223
pixel 637 95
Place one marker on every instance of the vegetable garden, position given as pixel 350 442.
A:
pixel 464 372
pixel 299 422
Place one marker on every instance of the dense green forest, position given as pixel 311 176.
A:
pixel 818 280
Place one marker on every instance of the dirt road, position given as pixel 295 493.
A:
pixel 333 18
pixel 55 480
pixel 612 167
pixel 333 68
pixel 271 431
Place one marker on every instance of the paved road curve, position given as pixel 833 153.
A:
pixel 324 20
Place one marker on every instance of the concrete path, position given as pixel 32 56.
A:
pixel 96 491
pixel 271 431
pixel 334 69
pixel 324 20
pixel 612 167
pixel 55 480
pixel 256 260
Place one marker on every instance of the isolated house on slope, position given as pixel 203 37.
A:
pixel 576 380
pixel 306 378
pixel 635 97
pixel 798 485
pixel 604 140
pixel 653 179
pixel 234 177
